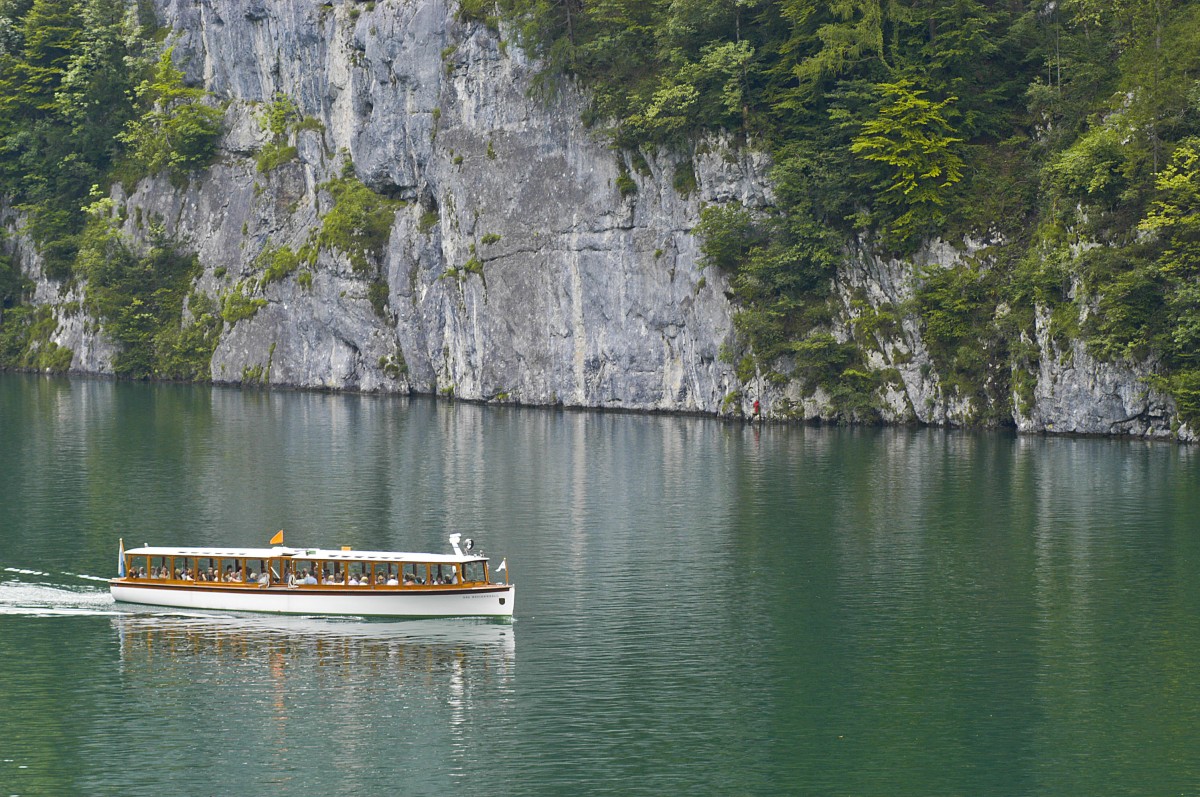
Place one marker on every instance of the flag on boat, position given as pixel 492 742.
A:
pixel 278 538
pixel 121 559
pixel 503 565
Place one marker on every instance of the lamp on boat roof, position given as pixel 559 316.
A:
pixel 469 544
pixel 454 538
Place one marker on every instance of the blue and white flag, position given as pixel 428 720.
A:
pixel 503 565
pixel 121 560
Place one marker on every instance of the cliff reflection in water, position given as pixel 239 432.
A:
pixel 294 691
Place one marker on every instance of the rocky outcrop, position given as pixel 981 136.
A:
pixel 528 262
pixel 518 269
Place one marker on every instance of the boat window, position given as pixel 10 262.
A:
pixel 137 567
pixel 324 571
pixel 159 567
pixel 413 574
pixel 473 571
pixel 443 574
pixel 207 569
pixel 230 571
pixel 306 572
pixel 390 571
pixel 360 574
pixel 186 566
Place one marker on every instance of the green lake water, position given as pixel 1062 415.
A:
pixel 703 607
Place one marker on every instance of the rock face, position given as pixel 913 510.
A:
pixel 517 270
pixel 530 262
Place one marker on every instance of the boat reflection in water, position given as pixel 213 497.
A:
pixel 253 635
pixel 316 700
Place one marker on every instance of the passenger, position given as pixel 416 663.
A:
pixel 309 578
pixel 353 580
pixel 250 576
pixel 409 578
pixel 264 579
pixel 392 582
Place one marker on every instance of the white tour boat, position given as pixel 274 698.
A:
pixel 315 581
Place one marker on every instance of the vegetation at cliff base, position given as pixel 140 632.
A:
pixel 89 96
pixel 1037 128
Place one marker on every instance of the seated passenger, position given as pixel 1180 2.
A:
pixel 353 580
pixel 309 578
pixel 392 582
pixel 409 578
pixel 264 579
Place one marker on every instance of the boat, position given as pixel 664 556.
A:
pixel 315 581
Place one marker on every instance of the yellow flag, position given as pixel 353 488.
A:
pixel 278 538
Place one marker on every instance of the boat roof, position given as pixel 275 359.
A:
pixel 306 553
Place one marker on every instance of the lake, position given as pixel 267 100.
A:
pixel 703 607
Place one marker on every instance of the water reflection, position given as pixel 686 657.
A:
pixel 705 608
pixel 315 701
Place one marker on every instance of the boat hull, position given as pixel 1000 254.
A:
pixel 494 600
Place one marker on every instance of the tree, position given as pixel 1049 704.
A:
pixel 178 132
pixel 911 136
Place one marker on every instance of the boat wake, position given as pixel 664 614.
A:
pixel 36 599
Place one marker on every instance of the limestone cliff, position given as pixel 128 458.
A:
pixel 527 260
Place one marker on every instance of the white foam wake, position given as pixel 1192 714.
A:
pixel 47 600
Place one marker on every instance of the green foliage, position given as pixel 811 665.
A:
pixel 394 366
pixel 428 221
pixel 360 223
pixel 1040 126
pixel 67 74
pixel 139 298
pixel 25 342
pixel 281 118
pixel 273 155
pixel 958 309
pixel 377 295
pixel 1173 304
pixel 626 184
pixel 489 238
pixel 236 305
pixel 911 137
pixel 278 262
pixel 13 284
pixel 177 132
pixel 684 177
